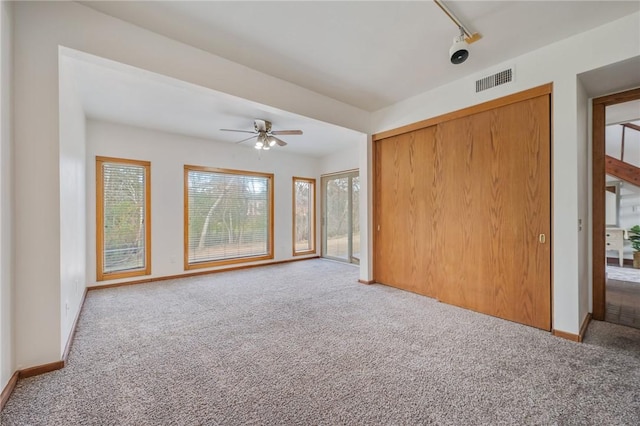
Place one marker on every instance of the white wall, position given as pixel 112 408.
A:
pixel 73 213
pixel 6 198
pixel 37 193
pixel 585 277
pixel 168 153
pixel 40 27
pixel 365 158
pixel 346 159
pixel 558 63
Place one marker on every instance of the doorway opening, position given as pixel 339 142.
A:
pixel 616 207
pixel 340 216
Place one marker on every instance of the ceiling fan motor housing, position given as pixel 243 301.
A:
pixel 262 126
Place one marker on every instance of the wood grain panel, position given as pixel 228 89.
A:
pixel 453 253
pixel 427 170
pixel 460 207
pixel 522 131
pixel 465 186
pixel 544 89
pixel 402 211
pixel 384 178
pixel 434 214
pixel 394 219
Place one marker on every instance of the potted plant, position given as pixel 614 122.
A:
pixel 634 237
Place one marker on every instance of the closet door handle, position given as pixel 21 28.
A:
pixel 542 238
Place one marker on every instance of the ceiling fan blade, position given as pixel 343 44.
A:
pixel 244 140
pixel 239 131
pixel 280 142
pixel 286 132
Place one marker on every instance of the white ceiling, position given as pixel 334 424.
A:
pixel 612 78
pixel 369 54
pixel 120 93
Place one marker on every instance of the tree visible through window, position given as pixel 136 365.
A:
pixel 228 216
pixel 123 220
pixel 341 222
pixel 304 206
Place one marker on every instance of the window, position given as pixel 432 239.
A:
pixel 123 218
pixel 228 216
pixel 341 212
pixel 304 217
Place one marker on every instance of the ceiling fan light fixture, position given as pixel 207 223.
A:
pixel 262 133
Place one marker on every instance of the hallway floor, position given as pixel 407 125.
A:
pixel 623 296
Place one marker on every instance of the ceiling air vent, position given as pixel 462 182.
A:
pixel 494 80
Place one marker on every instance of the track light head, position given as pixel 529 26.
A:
pixel 459 51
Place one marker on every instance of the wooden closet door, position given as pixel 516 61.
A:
pixel 496 185
pixel 405 211
pixel 525 293
pixel 466 189
pixel 461 206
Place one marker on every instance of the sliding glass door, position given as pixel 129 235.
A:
pixel 340 216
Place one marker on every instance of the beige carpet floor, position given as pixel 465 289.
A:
pixel 304 343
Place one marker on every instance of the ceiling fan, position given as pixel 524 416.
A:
pixel 266 138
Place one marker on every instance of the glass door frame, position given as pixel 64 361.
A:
pixel 350 174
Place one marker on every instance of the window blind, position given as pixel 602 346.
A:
pixel 304 215
pixel 228 215
pixel 124 215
